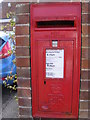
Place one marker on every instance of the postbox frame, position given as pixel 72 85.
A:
pixel 76 65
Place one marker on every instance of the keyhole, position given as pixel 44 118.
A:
pixel 44 82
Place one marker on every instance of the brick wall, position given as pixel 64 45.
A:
pixel 85 60
pixel 23 60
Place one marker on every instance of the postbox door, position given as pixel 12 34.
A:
pixel 54 90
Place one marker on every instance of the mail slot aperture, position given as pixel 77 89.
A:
pixel 55 24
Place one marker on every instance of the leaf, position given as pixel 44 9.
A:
pixel 2 28
pixel 7 77
pixel 9 52
pixel 14 61
pixel 10 87
pixel 4 82
pixel 8 15
pixel 16 98
pixel 15 75
pixel 14 46
pixel 15 81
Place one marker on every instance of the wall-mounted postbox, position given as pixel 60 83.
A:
pixel 55 59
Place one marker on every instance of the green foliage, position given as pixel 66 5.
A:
pixel 8 78
pixel 11 24
pixel 10 15
pixel 7 27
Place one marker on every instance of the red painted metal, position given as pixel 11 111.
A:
pixel 55 97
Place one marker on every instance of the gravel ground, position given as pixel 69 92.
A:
pixel 9 103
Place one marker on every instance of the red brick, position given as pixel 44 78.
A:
pixel 83 114
pixel 89 63
pixel 24 102
pixel 23 72
pixel 22 9
pixel 89 95
pixel 22 51
pixel 84 95
pixel 85 74
pixel 22 41
pixel 22 19
pixel 89 105
pixel 83 105
pixel 89 7
pixel 84 7
pixel 89 18
pixel 85 29
pixel 84 85
pixel 88 41
pixel 23 82
pixel 89 114
pixel 88 30
pixel 85 53
pixel 89 85
pixel 84 64
pixel 84 18
pixel 22 30
pixel 24 111
pixel 24 92
pixel 85 42
pixel 23 62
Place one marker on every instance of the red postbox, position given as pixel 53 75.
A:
pixel 55 59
